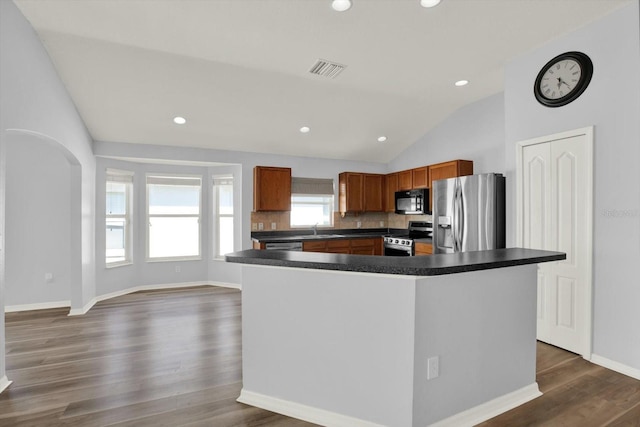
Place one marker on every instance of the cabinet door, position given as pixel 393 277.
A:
pixel 405 180
pixel 373 193
pixel 341 246
pixel 351 192
pixel 424 249
pixel 363 246
pixel 271 189
pixel 420 177
pixel 315 246
pixel 448 170
pixel 390 188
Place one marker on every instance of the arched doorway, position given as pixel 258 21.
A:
pixel 43 252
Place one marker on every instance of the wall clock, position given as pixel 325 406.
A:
pixel 563 79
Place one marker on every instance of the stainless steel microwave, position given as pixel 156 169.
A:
pixel 412 202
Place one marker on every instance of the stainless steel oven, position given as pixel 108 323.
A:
pixel 398 246
pixel 404 244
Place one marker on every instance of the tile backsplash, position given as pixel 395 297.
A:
pixel 281 220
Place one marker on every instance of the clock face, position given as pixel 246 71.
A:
pixel 560 79
pixel 563 79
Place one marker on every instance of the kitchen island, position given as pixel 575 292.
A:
pixel 393 341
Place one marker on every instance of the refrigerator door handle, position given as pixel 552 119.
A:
pixel 461 224
pixel 455 231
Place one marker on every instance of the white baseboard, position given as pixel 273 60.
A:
pixel 94 301
pixel 301 412
pixel 492 408
pixel 37 306
pixel 237 286
pixel 4 383
pixel 615 366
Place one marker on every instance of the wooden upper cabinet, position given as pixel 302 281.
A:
pixel 405 180
pixel 450 169
pixel 390 188
pixel 420 177
pixel 360 192
pixel 373 195
pixel 271 189
pixel 351 192
pixel 447 170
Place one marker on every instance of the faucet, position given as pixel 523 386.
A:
pixel 315 228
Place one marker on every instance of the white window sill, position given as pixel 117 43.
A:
pixel 175 259
pixel 118 264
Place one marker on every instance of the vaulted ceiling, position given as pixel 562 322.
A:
pixel 238 70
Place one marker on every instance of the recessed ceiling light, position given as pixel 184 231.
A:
pixel 341 5
pixel 179 120
pixel 382 138
pixel 429 3
pixel 462 82
pixel 305 129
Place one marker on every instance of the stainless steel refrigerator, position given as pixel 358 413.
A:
pixel 469 213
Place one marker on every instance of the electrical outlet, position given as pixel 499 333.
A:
pixel 254 226
pixel 433 367
pixel 48 277
pixel 260 226
pixel 274 226
pixel 381 223
pixel 358 224
pixel 177 269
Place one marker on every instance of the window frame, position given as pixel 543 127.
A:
pixel 127 179
pixel 148 217
pixel 331 210
pixel 215 193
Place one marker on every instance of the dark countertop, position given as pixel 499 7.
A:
pixel 431 265
pixel 323 234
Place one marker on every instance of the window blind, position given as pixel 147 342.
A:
pixel 174 180
pixel 115 175
pixel 311 186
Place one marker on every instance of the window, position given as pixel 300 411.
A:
pixel 173 209
pixel 223 211
pixel 118 217
pixel 311 202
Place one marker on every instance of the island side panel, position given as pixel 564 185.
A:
pixel 337 341
pixel 482 327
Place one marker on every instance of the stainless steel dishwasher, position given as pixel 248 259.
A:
pixel 283 246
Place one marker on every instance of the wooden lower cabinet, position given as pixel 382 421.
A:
pixel 341 246
pixel 315 246
pixel 368 246
pixel 424 249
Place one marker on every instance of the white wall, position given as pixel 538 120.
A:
pixel 38 210
pixel 35 104
pixel 474 132
pixel 4 382
pixel 612 104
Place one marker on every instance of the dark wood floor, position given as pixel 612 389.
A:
pixel 173 358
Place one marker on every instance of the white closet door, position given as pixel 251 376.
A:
pixel 537 194
pixel 556 215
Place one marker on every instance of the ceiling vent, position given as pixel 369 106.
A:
pixel 326 68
